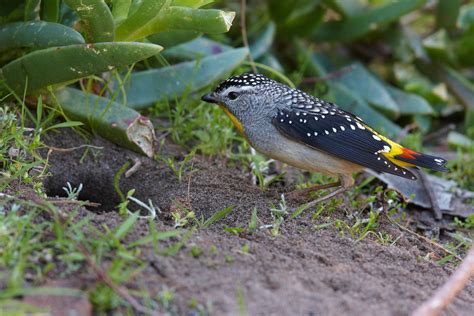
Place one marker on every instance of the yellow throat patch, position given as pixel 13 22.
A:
pixel 234 120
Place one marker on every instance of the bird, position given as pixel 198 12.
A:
pixel 312 134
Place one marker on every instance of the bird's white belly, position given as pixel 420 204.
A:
pixel 307 158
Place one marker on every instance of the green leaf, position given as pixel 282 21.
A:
pixel 465 47
pixel 371 19
pixel 210 21
pixel 176 247
pixel 50 10
pixel 305 24
pixel 97 19
pixel 347 99
pixel 423 122
pixel 456 139
pixel 114 122
pixel 280 10
pixel 123 229
pixel 64 125
pixel 36 35
pixel 271 61
pixel 69 17
pixel 195 49
pixel 346 8
pixel 32 9
pixel 400 45
pixel 148 87
pixel 439 47
pixel 217 216
pixel 134 26
pixel 155 237
pixel 191 3
pixel 253 220
pixel 298 17
pixel 447 12
pixel 300 209
pixel 465 44
pixel 263 42
pixel 411 80
pixel 173 38
pixel 351 102
pixel 409 103
pixel 11 11
pixel 120 9
pixel 461 87
pixel 369 87
pixel 466 16
pixel 35 70
pixel 285 12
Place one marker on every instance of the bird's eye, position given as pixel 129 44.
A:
pixel 233 95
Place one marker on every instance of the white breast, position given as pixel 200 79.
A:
pixel 307 158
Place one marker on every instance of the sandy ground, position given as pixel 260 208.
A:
pixel 302 271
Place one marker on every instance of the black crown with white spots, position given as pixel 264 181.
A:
pixel 245 80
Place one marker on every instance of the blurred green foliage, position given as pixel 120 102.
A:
pixel 74 34
pixel 52 43
pixel 393 63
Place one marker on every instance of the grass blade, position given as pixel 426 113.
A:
pixel 123 229
pixel 217 216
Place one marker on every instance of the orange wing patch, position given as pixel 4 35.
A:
pixel 408 154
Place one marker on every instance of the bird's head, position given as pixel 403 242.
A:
pixel 247 98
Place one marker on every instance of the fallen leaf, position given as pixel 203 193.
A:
pixel 451 198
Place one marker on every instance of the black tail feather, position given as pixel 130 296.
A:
pixel 426 161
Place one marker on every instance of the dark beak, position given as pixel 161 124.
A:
pixel 210 98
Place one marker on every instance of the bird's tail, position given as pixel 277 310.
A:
pixel 422 160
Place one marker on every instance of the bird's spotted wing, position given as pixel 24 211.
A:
pixel 325 127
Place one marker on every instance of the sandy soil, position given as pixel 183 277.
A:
pixel 302 271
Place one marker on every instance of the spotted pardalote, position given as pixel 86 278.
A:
pixel 307 132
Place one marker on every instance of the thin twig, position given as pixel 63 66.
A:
pixel 405 131
pixel 445 294
pixel 137 163
pixel 444 130
pixel 159 138
pixel 52 148
pixel 243 30
pixel 449 252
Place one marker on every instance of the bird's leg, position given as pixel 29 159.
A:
pixel 304 192
pixel 346 181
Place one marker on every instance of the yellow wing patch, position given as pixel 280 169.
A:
pixel 395 150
